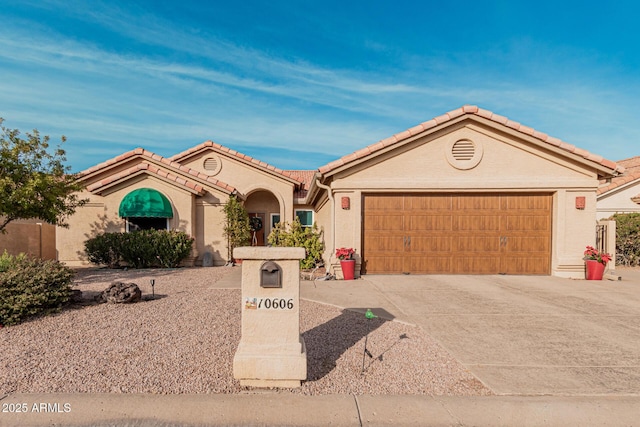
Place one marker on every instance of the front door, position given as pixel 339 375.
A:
pixel 258 226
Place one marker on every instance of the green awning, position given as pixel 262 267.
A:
pixel 145 203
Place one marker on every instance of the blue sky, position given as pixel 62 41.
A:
pixel 300 83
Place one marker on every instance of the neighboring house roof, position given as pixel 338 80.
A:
pixel 210 145
pixel 470 111
pixel 151 163
pixel 631 175
pixel 306 177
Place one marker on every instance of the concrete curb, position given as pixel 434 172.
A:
pixel 282 409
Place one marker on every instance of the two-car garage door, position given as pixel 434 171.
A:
pixel 500 233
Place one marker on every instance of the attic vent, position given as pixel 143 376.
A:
pixel 212 165
pixel 463 150
pixel 463 153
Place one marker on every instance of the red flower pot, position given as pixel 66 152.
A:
pixel 348 267
pixel 594 270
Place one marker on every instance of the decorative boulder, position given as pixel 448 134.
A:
pixel 119 293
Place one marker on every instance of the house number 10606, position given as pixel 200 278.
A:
pixel 268 303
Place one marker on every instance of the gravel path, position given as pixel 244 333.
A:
pixel 184 342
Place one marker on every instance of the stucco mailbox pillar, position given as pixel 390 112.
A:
pixel 271 351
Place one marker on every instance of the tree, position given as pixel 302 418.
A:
pixel 35 183
pixel 237 228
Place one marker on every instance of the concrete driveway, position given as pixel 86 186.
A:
pixel 522 335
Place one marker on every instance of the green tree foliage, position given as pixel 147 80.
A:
pixel 295 235
pixel 237 228
pixel 34 183
pixel 627 239
pixel 31 286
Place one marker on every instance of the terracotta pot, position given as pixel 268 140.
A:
pixel 348 267
pixel 594 270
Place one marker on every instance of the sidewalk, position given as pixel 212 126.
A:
pixel 272 409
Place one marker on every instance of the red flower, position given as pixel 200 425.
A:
pixel 345 253
pixel 592 254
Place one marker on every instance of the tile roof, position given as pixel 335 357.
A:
pixel 306 178
pixel 144 166
pixel 154 159
pixel 471 110
pixel 631 174
pixel 242 157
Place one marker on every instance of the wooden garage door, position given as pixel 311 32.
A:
pixel 457 234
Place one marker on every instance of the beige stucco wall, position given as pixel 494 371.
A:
pixel 210 229
pixel 248 180
pixel 100 214
pixel 508 163
pixel 33 237
pixel 619 201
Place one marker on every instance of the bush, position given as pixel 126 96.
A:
pixel 104 249
pixel 627 239
pixel 172 248
pixel 295 235
pixel 140 249
pixel 31 286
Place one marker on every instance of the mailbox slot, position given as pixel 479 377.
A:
pixel 270 275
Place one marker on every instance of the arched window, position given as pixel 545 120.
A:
pixel 145 209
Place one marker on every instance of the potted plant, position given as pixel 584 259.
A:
pixel 347 263
pixel 595 262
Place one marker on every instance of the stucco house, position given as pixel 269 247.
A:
pixel 468 192
pixel 620 194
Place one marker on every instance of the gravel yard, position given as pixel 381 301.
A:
pixel 184 342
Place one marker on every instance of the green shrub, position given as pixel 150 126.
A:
pixel 137 248
pixel 172 247
pixel 627 239
pixel 140 249
pixel 104 249
pixel 31 286
pixel 295 235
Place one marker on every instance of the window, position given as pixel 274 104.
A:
pixel 305 216
pixel 135 224
pixel 145 209
pixel 275 219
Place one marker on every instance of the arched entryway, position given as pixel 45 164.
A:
pixel 264 211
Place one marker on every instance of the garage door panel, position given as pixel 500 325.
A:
pixel 477 223
pixel 526 203
pixel 529 245
pixel 429 222
pixel 477 244
pixel 385 244
pixel 384 203
pixel 473 264
pixel 379 223
pixel 476 203
pixel 530 263
pixel 528 223
pixel 428 265
pixel 430 244
pixel 428 203
pixel 385 264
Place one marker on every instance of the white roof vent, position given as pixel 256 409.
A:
pixel 463 153
pixel 463 150
pixel 212 165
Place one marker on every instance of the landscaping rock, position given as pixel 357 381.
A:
pixel 121 293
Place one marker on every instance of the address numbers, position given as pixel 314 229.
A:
pixel 268 303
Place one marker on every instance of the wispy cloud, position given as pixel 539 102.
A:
pixel 189 84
